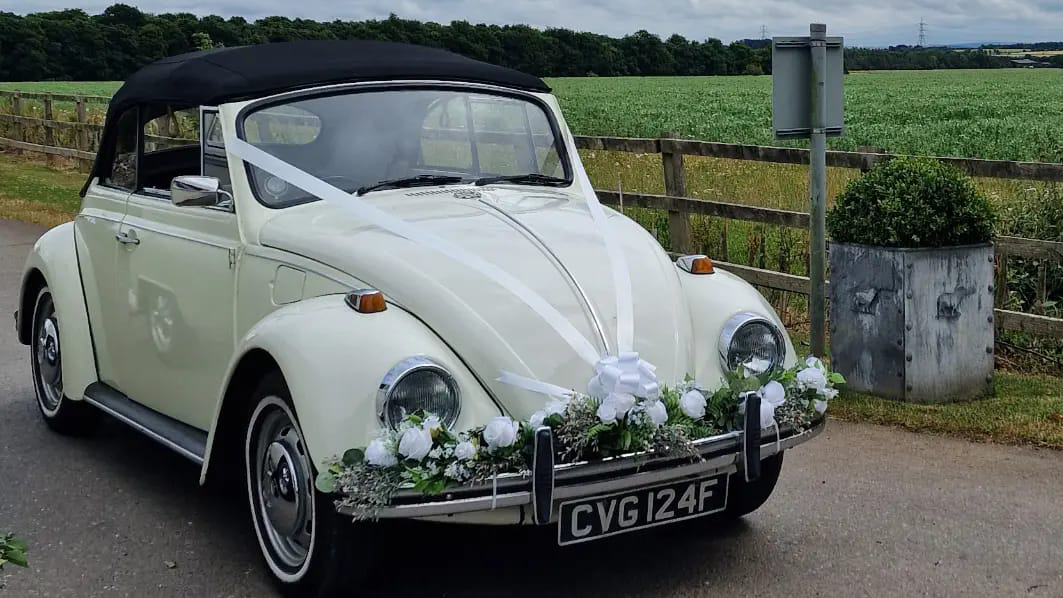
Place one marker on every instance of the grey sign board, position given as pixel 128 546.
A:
pixel 791 71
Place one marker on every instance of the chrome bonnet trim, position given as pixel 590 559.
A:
pixel 596 319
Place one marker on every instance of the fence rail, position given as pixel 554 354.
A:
pixel 675 201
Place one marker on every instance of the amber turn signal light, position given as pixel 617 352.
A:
pixel 366 301
pixel 695 264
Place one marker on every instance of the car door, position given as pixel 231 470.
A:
pixel 96 233
pixel 176 275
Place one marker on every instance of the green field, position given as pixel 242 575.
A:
pixel 1006 114
pixel 1002 114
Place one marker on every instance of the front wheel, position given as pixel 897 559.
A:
pixel 310 549
pixel 745 497
pixel 60 413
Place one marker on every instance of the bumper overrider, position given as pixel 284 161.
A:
pixel 540 493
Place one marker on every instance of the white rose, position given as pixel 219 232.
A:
pixel 415 443
pixel 814 362
pixel 773 393
pixel 607 413
pixel 464 451
pixel 820 406
pixel 500 432
pixel 812 378
pixel 692 404
pixel 537 419
pixel 379 455
pixel 658 412
pixel 767 410
pixel 767 415
pixel 620 402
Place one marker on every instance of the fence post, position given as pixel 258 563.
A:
pixel 82 139
pixel 16 109
pixel 49 130
pixel 675 185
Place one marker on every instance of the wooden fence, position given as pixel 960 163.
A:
pixel 675 200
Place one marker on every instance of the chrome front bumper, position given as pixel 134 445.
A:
pixel 538 494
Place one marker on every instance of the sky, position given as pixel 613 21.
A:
pixel 877 23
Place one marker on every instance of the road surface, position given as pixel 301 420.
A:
pixel 860 511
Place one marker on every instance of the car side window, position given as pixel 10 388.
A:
pixel 123 171
pixel 171 146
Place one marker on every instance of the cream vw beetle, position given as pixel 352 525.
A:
pixel 208 297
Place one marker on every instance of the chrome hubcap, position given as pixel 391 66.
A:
pixel 49 365
pixel 284 490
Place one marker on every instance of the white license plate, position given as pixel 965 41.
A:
pixel 601 516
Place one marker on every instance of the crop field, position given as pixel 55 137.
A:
pixel 1010 114
pixel 1006 114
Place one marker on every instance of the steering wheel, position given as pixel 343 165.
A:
pixel 280 191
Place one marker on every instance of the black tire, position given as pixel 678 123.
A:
pixel 326 555
pixel 62 414
pixel 745 497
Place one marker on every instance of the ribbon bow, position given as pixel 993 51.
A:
pixel 625 375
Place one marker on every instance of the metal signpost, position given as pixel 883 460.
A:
pixel 807 101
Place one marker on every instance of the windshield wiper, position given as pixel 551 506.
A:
pixel 531 178
pixel 411 181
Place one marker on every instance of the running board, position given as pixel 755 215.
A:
pixel 167 431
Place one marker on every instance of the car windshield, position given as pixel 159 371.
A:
pixel 363 141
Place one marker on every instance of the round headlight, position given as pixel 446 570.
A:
pixel 418 384
pixel 752 341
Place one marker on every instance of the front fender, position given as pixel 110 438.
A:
pixel 333 360
pixel 54 257
pixel 713 299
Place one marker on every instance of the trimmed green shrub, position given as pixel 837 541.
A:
pixel 911 202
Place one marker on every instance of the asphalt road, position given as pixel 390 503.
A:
pixel 860 511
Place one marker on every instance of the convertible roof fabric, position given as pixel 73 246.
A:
pixel 211 77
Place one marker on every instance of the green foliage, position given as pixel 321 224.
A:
pixel 12 550
pixel 911 202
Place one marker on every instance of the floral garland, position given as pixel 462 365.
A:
pixel 424 456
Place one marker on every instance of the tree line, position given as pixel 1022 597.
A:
pixel 74 45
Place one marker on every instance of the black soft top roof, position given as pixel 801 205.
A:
pixel 211 77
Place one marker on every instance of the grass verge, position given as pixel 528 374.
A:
pixel 33 192
pixel 1025 409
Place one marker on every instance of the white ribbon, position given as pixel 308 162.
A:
pixel 318 188
pixel 625 317
pixel 624 375
pixel 536 386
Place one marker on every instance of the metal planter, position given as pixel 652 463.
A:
pixel 913 324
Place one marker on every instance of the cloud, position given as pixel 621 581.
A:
pixel 884 22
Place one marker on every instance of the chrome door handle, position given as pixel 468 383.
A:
pixel 129 238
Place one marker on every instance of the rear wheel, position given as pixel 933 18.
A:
pixel 310 549
pixel 745 497
pixel 60 413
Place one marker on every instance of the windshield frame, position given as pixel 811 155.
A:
pixel 376 86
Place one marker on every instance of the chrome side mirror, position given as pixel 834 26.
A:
pixel 195 190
